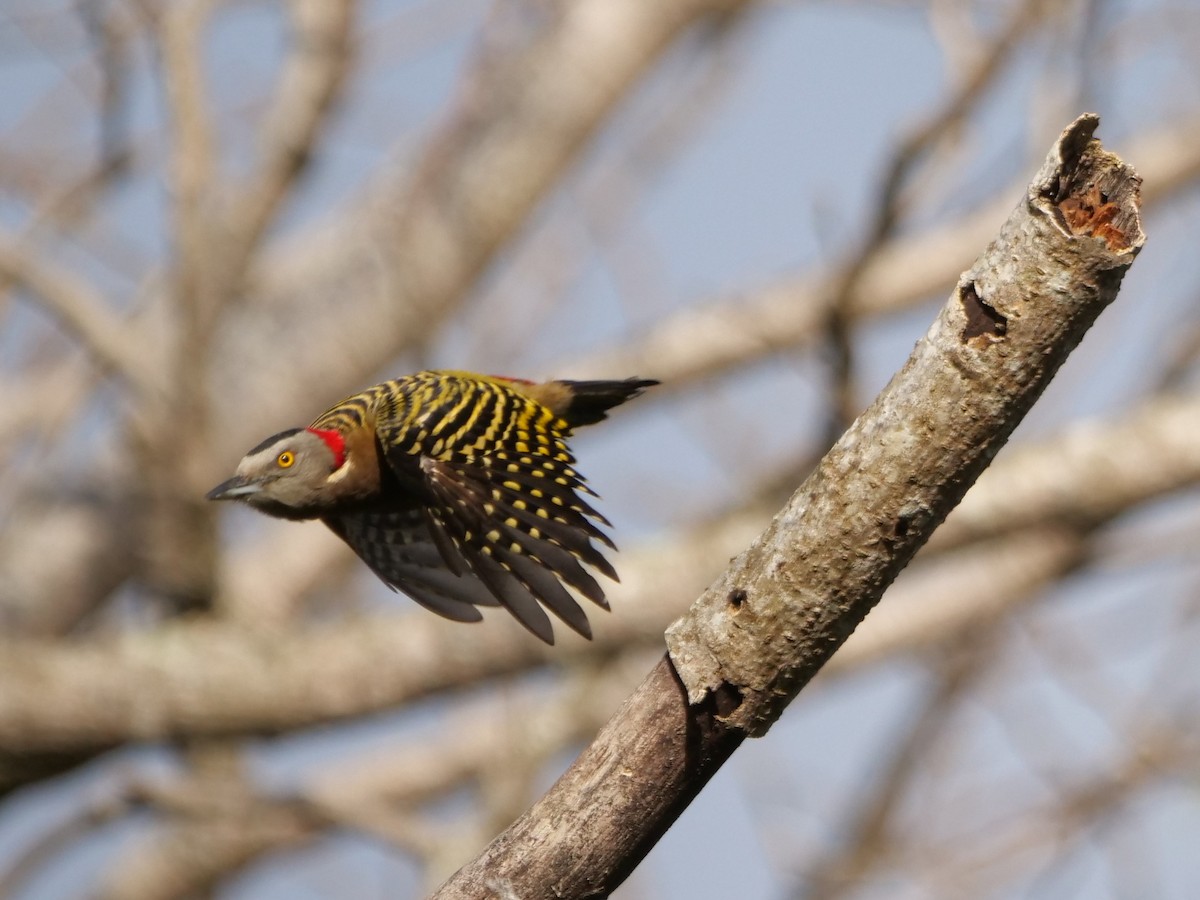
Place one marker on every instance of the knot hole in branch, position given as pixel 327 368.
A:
pixel 983 321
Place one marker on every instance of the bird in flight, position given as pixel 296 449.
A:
pixel 457 489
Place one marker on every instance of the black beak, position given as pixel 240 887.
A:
pixel 235 488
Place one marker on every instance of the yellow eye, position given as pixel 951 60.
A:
pixel 286 459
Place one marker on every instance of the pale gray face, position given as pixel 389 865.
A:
pixel 283 476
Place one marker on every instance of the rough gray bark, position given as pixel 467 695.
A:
pixel 761 631
pixel 770 622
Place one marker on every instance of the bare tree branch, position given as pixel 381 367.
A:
pixel 379 792
pixel 162 683
pixel 910 151
pixel 309 86
pixel 1089 476
pixel 81 310
pixel 401 270
pixel 772 620
pixel 712 338
pixel 868 843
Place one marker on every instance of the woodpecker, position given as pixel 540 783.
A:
pixel 457 489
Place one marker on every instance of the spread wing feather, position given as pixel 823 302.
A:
pixel 521 565
pixel 398 547
pixel 503 505
pixel 559 501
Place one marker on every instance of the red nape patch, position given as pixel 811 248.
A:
pixel 335 442
pixel 513 380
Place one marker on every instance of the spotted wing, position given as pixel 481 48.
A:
pixel 400 549
pixel 502 494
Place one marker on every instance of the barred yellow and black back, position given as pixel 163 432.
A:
pixel 460 491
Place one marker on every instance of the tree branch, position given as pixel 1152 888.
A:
pixel 401 266
pixel 724 334
pixel 162 683
pixel 764 628
pixel 309 87
pixel 80 309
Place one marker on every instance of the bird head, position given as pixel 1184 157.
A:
pixel 287 474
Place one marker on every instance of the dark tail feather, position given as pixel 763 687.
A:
pixel 591 400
